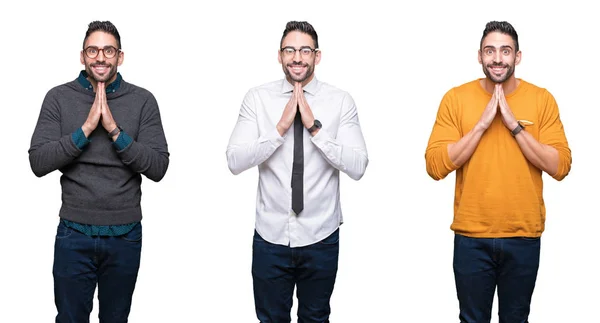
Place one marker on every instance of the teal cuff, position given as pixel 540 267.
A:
pixel 123 140
pixel 79 139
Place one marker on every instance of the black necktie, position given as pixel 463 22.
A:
pixel 298 166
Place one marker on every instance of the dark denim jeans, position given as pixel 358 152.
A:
pixel 482 264
pixel 276 269
pixel 81 262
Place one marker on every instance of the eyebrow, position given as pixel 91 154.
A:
pixel 501 47
pixel 94 46
pixel 301 47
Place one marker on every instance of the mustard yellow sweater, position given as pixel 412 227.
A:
pixel 498 191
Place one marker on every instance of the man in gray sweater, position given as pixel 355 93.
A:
pixel 101 133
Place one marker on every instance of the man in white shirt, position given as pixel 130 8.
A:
pixel 300 132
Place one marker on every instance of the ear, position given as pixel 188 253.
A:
pixel 479 57
pixel 317 57
pixel 518 58
pixel 120 58
pixel 279 57
pixel 81 58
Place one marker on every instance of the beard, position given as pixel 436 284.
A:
pixel 510 70
pixel 111 72
pixel 298 78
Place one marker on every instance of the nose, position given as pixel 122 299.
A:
pixel 100 56
pixel 498 57
pixel 297 54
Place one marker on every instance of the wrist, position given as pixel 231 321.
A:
pixel 87 130
pixel 479 128
pixel 114 134
pixel 513 125
pixel 518 128
pixel 316 125
pixel 281 129
pixel 111 127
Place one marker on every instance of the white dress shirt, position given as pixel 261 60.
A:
pixel 339 145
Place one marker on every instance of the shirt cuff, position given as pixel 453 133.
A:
pixel 79 139
pixel 321 138
pixel 123 140
pixel 274 137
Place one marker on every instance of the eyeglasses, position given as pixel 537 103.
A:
pixel 107 51
pixel 304 51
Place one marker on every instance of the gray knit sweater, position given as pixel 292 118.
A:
pixel 100 184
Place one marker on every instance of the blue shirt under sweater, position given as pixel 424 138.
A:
pixel 123 140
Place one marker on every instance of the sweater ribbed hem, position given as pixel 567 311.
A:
pixel 101 217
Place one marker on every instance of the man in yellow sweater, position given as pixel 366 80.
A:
pixel 499 133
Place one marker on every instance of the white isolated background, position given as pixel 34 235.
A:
pixel 395 59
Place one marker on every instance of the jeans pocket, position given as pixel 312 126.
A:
pixel 135 235
pixel 63 231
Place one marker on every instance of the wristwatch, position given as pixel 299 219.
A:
pixel 316 125
pixel 517 129
pixel 115 131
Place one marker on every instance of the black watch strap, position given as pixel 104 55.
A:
pixel 517 129
pixel 115 131
pixel 316 125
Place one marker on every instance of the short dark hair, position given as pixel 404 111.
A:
pixel 105 26
pixel 301 26
pixel 501 27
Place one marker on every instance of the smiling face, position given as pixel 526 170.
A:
pixel 498 57
pixel 299 60
pixel 101 68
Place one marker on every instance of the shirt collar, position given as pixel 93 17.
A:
pixel 310 88
pixel 111 88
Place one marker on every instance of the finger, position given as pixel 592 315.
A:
pixel 498 92
pixel 99 92
pixel 294 93
pixel 104 103
pixel 97 98
pixel 496 95
pixel 103 93
pixel 304 100
pixel 293 99
pixel 503 104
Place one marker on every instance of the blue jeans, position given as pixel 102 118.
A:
pixel 482 264
pixel 276 269
pixel 81 262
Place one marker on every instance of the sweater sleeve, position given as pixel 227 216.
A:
pixel 552 134
pixel 445 131
pixel 49 149
pixel 148 154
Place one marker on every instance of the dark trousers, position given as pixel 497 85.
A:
pixel 81 262
pixel 480 265
pixel 276 269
